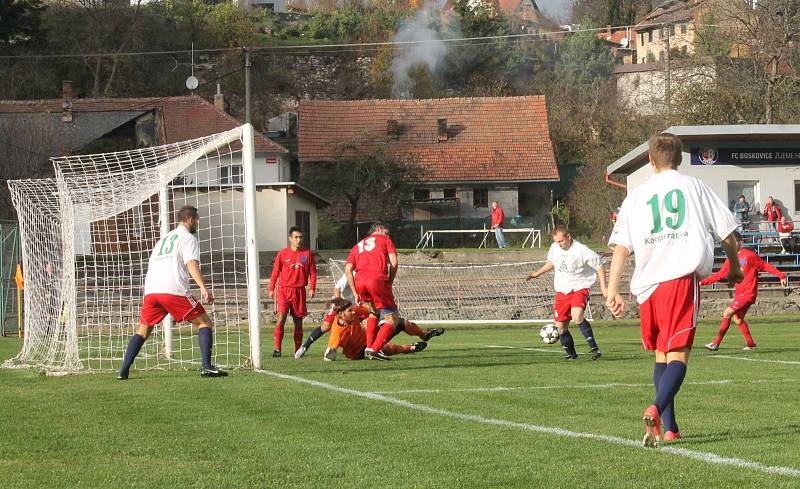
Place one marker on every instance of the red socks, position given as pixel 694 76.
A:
pixel 278 335
pixel 372 329
pixel 745 329
pixel 723 328
pixel 384 335
pixel 298 337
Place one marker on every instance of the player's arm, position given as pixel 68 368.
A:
pixel 351 280
pixel 614 301
pixel 312 287
pixel 394 265
pixel 601 278
pixel 735 274
pixel 197 276
pixel 763 266
pixel 276 271
pixel 719 275
pixel 538 273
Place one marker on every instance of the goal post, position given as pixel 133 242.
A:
pixel 86 237
pixel 447 293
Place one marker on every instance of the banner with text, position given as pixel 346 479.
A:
pixel 745 156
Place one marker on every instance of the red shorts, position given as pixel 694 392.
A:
pixel 376 290
pixel 562 311
pixel 291 300
pixel 741 305
pixel 669 315
pixel 182 308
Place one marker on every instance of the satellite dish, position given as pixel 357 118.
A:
pixel 192 83
pixel 623 42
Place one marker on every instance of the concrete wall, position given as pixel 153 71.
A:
pixel 272 225
pixel 644 91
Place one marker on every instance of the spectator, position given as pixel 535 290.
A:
pixel 785 228
pixel 498 217
pixel 772 212
pixel 741 211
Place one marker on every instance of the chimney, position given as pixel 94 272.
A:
pixel 66 104
pixel 219 99
pixel 442 129
pixel 393 129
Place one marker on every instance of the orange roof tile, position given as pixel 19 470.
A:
pixel 501 139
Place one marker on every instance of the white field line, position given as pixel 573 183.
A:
pixel 543 350
pixel 543 387
pixel 744 359
pixel 614 440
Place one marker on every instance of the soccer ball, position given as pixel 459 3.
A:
pixel 549 333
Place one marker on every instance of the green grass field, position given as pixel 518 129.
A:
pixel 460 414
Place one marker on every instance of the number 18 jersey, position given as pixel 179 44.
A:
pixel 370 256
pixel 670 224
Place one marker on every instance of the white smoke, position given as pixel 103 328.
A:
pixel 429 53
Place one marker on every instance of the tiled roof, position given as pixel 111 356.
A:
pixel 500 139
pixel 670 11
pixel 186 117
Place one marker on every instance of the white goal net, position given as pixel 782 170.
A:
pixel 86 240
pixel 471 293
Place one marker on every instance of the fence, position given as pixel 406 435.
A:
pixel 9 258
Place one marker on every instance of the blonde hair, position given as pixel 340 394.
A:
pixel 558 228
pixel 665 150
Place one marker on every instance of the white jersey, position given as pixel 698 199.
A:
pixel 344 288
pixel 167 272
pixel 670 224
pixel 575 267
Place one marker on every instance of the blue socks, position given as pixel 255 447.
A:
pixel 206 340
pixel 312 337
pixel 668 378
pixel 568 344
pixel 134 345
pixel 586 331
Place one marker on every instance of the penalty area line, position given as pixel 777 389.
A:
pixel 615 440
pixel 761 360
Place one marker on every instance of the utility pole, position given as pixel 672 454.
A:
pixel 247 107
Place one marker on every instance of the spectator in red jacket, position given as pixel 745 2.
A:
pixel 785 228
pixel 772 211
pixel 498 218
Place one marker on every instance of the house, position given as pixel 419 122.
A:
pixel 754 160
pixel 622 44
pixel 469 152
pixel 669 29
pixel 72 125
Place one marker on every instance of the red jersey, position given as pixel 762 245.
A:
pixel 785 227
pixel 772 212
pixel 293 269
pixel 751 264
pixel 370 256
pixel 498 217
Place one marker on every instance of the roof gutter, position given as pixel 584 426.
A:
pixel 613 183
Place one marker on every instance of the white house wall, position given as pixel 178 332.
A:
pixel 295 203
pixel 272 227
pixel 207 171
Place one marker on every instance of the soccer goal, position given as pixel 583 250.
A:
pixel 86 237
pixel 448 293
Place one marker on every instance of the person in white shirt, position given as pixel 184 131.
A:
pixel 669 223
pixel 576 268
pixel 173 260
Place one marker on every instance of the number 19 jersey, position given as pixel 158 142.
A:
pixel 670 224
pixel 370 256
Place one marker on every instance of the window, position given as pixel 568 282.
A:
pixel 303 220
pixel 641 38
pixel 449 193
pixel 796 197
pixel 649 36
pixel 684 28
pixel 422 194
pixel 684 49
pixel 230 174
pixel 480 197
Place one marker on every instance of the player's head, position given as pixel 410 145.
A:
pixel 741 198
pixel 295 236
pixel 665 151
pixel 188 216
pixel 379 228
pixel 561 236
pixel 494 204
pixel 343 308
pixel 769 200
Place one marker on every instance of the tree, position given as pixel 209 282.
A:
pixel 584 59
pixel 19 20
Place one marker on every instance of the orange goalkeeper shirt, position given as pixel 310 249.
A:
pixel 351 337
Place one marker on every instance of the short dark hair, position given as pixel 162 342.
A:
pixel 295 229
pixel 665 150
pixel 377 225
pixel 187 213
pixel 339 304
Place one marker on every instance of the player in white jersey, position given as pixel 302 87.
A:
pixel 669 223
pixel 174 259
pixel 576 268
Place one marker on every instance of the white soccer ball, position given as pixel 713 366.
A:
pixel 549 333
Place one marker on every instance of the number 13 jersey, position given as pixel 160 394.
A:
pixel 167 272
pixel 670 224
pixel 370 256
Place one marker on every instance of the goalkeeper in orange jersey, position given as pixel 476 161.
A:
pixel 348 334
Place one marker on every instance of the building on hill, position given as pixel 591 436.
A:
pixel 754 160
pixel 467 152
pixel 622 43
pixel 68 126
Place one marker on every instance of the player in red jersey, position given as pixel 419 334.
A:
pixel 293 269
pixel 745 292
pixel 371 268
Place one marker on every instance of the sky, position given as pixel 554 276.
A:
pixel 557 9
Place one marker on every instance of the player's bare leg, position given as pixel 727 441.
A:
pixel 205 336
pixel 280 321
pixel 578 315
pixel 567 343
pixel 390 349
